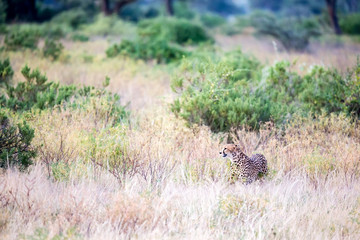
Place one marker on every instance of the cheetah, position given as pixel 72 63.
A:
pixel 247 169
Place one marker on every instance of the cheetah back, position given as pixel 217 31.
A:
pixel 260 163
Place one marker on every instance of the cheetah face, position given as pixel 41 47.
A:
pixel 228 151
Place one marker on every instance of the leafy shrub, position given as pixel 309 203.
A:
pixel 159 50
pixel 220 93
pixel 350 23
pixel 80 38
pixel 45 30
pixel 173 30
pixel 72 18
pixel 242 22
pixel 212 20
pixel 15 149
pixel 6 71
pixel 108 25
pixel 52 49
pixel 20 40
pixel 54 31
pixel 329 91
pixel 181 10
pixel 229 92
pixel 151 12
pixel 108 148
pixel 37 93
pixel 294 34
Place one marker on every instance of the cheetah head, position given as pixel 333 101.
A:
pixel 228 150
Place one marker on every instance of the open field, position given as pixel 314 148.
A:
pixel 177 185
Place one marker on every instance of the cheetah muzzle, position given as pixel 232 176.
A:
pixel 244 168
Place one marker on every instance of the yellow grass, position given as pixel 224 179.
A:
pixel 179 188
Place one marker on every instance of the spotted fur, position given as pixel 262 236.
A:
pixel 244 168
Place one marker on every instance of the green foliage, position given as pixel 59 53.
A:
pixel 179 31
pixel 20 40
pixel 37 93
pixel 72 18
pixel 61 171
pixel 220 93
pixel 45 30
pixel 161 51
pixel 6 71
pixel 181 10
pixel 229 92
pixel 108 148
pixel 52 49
pixel 212 20
pixel 294 34
pixel 80 38
pixel 15 141
pixel 108 25
pixel 158 39
pixel 242 22
pixel 350 23
pixel 135 12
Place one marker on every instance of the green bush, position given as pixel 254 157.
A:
pixel 80 38
pixel 233 91
pixel 37 93
pixel 72 18
pixel 294 34
pixel 350 24
pixel 6 72
pixel 179 31
pixel 181 10
pixel 15 141
pixel 20 40
pixel 52 49
pixel 108 25
pixel 212 20
pixel 45 30
pixel 328 90
pixel 161 51
pixel 220 93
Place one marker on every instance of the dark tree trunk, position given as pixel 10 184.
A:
pixel 331 6
pixel 105 7
pixel 169 7
pixel 32 10
pixel 352 5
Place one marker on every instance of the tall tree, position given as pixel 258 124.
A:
pixel 21 10
pixel 331 6
pixel 105 7
pixel 169 7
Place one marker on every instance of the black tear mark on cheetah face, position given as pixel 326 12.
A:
pixel 228 150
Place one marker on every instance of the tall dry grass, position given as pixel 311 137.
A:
pixel 180 189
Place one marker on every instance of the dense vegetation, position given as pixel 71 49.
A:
pixel 35 94
pixel 234 90
pixel 160 39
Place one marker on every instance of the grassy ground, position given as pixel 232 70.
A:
pixel 177 186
